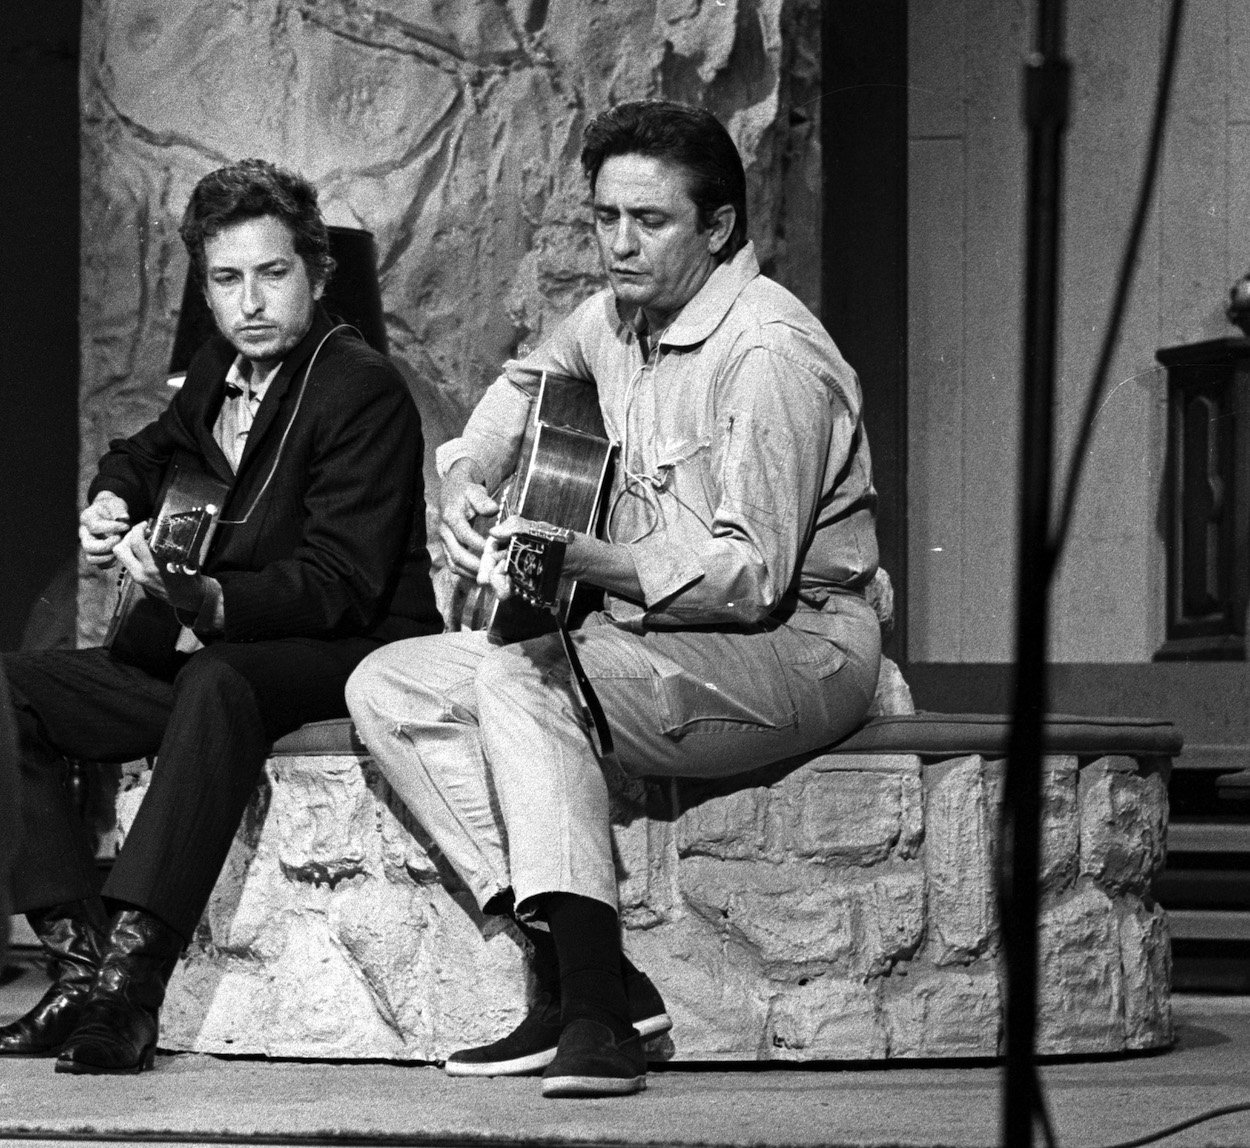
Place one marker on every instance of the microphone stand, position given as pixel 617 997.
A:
pixel 1046 86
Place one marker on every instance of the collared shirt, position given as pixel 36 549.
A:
pixel 743 486
pixel 238 410
pixel 234 423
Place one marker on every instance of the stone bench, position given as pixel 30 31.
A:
pixel 841 906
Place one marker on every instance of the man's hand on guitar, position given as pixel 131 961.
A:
pixel 101 526
pixel 524 557
pixel 182 591
pixel 463 500
pixel 492 570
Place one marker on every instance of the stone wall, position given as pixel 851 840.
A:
pixel 843 910
pixel 449 130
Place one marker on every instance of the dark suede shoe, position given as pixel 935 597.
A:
pixel 591 1061
pixel 528 1048
pixel 118 1030
pixel 72 935
pixel 531 1046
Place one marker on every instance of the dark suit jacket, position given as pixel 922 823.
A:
pixel 334 545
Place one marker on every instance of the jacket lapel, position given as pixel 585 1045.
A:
pixel 210 450
pixel 292 370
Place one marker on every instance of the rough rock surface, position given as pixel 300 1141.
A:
pixel 842 910
pixel 451 131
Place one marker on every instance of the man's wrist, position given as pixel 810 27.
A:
pixel 211 618
pixel 550 533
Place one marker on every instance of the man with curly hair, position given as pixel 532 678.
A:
pixel 319 558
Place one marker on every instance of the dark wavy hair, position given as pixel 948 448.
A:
pixel 692 138
pixel 250 189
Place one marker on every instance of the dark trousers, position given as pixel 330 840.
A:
pixel 210 728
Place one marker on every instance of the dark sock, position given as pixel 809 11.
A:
pixel 544 962
pixel 587 941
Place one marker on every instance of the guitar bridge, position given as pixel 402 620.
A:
pixel 534 563
pixel 178 539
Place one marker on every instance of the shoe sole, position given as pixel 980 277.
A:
pixel 555 1087
pixel 536 1061
pixel 80 1068
pixel 517 1066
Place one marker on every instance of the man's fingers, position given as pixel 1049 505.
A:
pixel 138 540
pixel 102 525
pixel 480 501
pixel 461 559
pixel 125 555
pixel 503 531
pixel 133 553
pixel 98 551
pixel 493 570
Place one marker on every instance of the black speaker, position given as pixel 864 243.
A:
pixel 352 295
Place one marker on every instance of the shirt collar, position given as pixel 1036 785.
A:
pixel 240 374
pixel 703 314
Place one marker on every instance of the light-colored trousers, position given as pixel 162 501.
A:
pixel 488 748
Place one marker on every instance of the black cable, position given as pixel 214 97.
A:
pixel 1151 1137
pixel 1123 284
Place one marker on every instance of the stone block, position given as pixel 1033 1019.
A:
pixel 1080 979
pixel 854 924
pixel 731 827
pixel 960 821
pixel 1123 822
pixel 847 817
pixel 946 1013
pixel 827 1018
pixel 1146 961
pixel 1060 824
pixel 336 930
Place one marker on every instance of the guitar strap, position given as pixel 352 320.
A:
pixel 591 705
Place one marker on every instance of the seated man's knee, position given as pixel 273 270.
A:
pixel 364 685
pixel 211 675
pixel 384 685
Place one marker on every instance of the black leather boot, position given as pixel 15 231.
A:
pixel 72 935
pixel 119 1025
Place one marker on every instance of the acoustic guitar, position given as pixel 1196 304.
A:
pixel 144 630
pixel 565 463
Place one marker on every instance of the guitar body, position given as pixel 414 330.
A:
pixel 565 462
pixel 143 630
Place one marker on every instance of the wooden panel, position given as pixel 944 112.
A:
pixel 996 41
pixel 1208 837
pixel 935 447
pixel 1238 15
pixel 1102 599
pixel 1193 199
pixel 1238 200
pixel 935 78
pixel 1209 925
